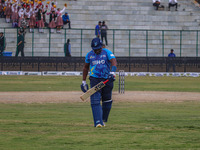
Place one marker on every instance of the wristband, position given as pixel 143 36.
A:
pixel 114 68
pixel 84 82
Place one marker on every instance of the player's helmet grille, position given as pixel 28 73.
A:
pixel 96 44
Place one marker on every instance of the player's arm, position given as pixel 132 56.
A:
pixel 85 71
pixel 111 76
pixel 84 86
pixel 113 63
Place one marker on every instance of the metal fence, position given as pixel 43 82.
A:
pixel 122 42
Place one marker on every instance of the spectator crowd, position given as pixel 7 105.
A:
pixel 33 14
pixel 172 3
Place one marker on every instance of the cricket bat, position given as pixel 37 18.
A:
pixel 93 90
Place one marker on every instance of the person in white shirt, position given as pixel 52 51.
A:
pixel 156 3
pixel 173 3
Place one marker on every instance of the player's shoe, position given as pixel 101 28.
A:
pixel 104 124
pixel 98 126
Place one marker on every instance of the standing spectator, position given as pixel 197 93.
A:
pixel 52 21
pixel 44 11
pixel 156 3
pixel 1 9
pixel 15 15
pixel 104 29
pixel 8 12
pixel 97 30
pixel 173 3
pixel 20 44
pixel 171 55
pixel 2 43
pixel 67 48
pixel 21 16
pixel 52 5
pixel 40 21
pixel 32 22
pixel 59 22
pixel 66 19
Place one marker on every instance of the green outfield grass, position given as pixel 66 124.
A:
pixel 69 126
pixel 66 83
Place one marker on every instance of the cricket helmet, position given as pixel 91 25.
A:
pixel 96 44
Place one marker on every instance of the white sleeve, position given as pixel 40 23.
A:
pixel 21 12
pixel 49 6
pixel 12 8
pixel 29 14
pixel 62 10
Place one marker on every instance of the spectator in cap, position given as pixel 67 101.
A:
pixel 97 29
pixel 66 20
pixel 171 56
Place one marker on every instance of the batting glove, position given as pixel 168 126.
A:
pixel 84 86
pixel 111 77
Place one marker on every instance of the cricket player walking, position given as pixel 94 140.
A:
pixel 99 61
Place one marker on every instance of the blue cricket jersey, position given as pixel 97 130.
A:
pixel 99 64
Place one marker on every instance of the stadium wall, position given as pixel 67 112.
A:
pixel 129 64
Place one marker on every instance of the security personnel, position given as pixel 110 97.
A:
pixel 20 44
pixel 2 43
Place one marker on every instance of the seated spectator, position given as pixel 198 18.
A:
pixel 173 3
pixel 66 19
pixel 156 3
